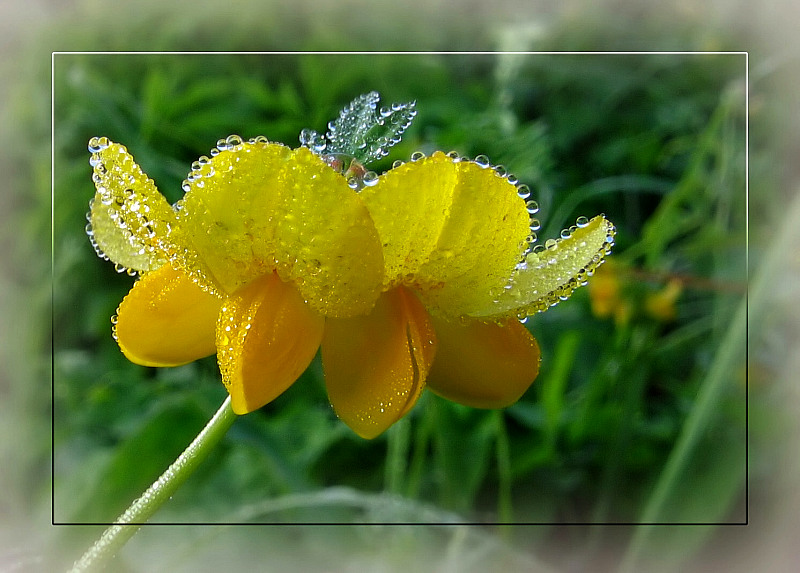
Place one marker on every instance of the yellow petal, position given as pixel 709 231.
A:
pixel 483 364
pixel 376 365
pixel 551 272
pixel 130 221
pixel 266 337
pixel 454 230
pixel 166 320
pixel 258 206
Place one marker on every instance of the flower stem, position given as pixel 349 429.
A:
pixel 162 489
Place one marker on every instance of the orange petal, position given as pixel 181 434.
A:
pixel 266 337
pixel 483 364
pixel 376 364
pixel 166 320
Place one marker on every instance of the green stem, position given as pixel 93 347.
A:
pixel 504 504
pixel 397 456
pixel 162 489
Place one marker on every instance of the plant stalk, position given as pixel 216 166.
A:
pixel 162 489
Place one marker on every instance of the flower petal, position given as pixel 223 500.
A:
pixel 166 320
pixel 266 337
pixel 483 364
pixel 453 229
pixel 551 272
pixel 376 365
pixel 130 221
pixel 258 206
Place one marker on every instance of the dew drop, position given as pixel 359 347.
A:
pixel 397 163
pixel 582 222
pixel 98 144
pixel 565 234
pixel 370 178
pixel 532 207
pixel 500 170
pixel 523 191
pixel 482 161
pixel 417 155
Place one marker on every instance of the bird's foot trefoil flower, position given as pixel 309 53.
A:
pixel 415 278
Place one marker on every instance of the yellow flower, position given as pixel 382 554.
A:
pixel 420 279
pixel 661 304
pixel 607 297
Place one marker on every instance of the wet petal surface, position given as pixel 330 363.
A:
pixel 166 320
pixel 130 221
pixel 551 273
pixel 258 206
pixel 452 229
pixel 266 337
pixel 483 365
pixel 376 364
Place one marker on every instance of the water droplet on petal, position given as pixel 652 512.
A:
pixel 97 144
pixel 532 207
pixel 582 221
pixel 482 161
pixel 417 155
pixel 370 178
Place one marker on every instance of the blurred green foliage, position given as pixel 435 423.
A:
pixel 611 432
pixel 654 141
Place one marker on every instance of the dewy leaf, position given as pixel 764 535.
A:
pixel 130 222
pixel 362 131
pixel 346 133
pixel 551 272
